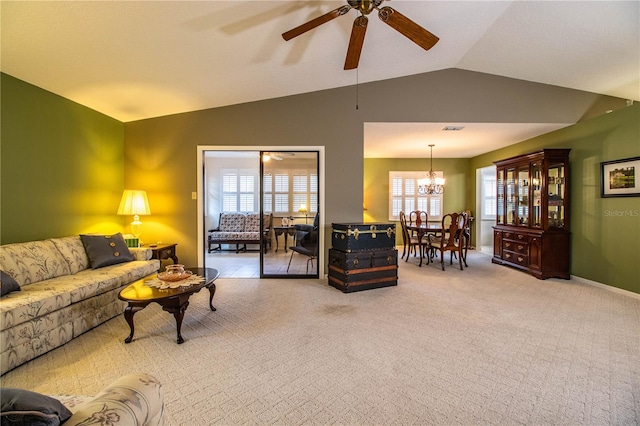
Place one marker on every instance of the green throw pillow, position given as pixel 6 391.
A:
pixel 22 407
pixel 105 250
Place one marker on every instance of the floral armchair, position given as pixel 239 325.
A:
pixel 135 399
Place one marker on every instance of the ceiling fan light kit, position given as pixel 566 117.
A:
pixel 388 15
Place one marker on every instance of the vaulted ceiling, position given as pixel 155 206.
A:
pixel 133 60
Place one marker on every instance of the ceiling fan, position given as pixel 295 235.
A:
pixel 266 156
pixel 389 16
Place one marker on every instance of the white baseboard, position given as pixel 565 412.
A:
pixel 606 287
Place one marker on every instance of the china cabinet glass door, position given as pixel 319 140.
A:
pixel 500 195
pixel 523 195
pixel 536 194
pixel 511 196
pixel 556 187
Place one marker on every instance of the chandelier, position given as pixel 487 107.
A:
pixel 431 185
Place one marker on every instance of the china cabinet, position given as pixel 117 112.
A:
pixel 532 222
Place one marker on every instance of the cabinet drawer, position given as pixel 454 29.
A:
pixel 515 236
pixel 516 246
pixel 517 258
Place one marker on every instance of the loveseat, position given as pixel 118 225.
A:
pixel 240 229
pixel 64 290
pixel 134 399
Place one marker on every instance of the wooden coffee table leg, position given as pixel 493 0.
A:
pixel 129 311
pixel 212 291
pixel 178 314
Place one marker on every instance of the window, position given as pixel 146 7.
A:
pixel 287 190
pixel 489 200
pixel 281 193
pixel 238 191
pixel 403 196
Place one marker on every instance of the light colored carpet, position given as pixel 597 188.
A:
pixel 487 345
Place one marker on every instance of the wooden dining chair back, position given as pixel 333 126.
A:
pixel 465 232
pixel 405 233
pixel 449 240
pixel 418 217
pixel 409 241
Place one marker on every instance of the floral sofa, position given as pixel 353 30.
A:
pixel 62 293
pixel 240 229
pixel 134 399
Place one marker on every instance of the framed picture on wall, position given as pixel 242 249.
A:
pixel 620 178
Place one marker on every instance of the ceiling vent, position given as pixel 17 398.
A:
pixel 453 128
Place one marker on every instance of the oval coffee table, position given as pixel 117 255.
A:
pixel 173 300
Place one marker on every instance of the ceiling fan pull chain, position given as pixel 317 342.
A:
pixel 357 87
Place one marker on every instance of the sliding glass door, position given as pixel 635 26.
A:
pixel 289 201
pixel 274 193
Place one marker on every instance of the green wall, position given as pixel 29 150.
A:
pixel 605 231
pixel 376 184
pixel 61 166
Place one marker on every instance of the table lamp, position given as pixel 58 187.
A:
pixel 134 202
pixel 303 209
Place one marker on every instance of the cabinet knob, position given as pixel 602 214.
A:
pixel 520 259
pixel 507 245
pixel 520 247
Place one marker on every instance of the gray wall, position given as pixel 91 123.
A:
pixel 160 153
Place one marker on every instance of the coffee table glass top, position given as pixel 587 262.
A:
pixel 139 291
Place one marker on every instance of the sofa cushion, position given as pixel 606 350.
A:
pixel 40 299
pixel 225 236
pixel 252 222
pixel 33 261
pixel 232 222
pixel 73 252
pixel 141 253
pixel 7 284
pixel 105 250
pixel 22 407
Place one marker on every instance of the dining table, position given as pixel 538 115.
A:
pixel 422 229
pixel 434 227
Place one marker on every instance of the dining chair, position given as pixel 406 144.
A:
pixel 409 241
pixel 450 240
pixel 418 217
pixel 306 242
pixel 466 233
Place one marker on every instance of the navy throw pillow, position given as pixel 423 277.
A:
pixel 22 407
pixel 105 250
pixel 7 284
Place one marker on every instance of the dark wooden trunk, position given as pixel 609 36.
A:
pixel 363 259
pixel 350 237
pixel 363 270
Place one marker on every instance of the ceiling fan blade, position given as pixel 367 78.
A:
pixel 407 27
pixel 316 22
pixel 355 42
